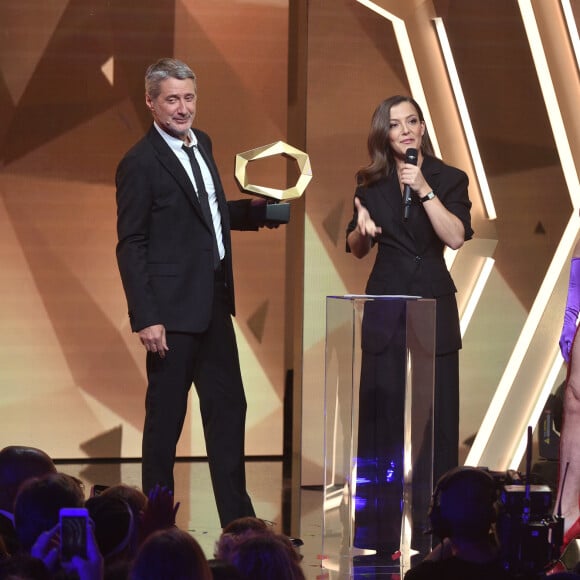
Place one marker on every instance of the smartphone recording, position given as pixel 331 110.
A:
pixel 73 533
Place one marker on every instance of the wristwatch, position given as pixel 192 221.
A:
pixel 427 197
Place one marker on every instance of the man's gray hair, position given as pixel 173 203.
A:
pixel 163 69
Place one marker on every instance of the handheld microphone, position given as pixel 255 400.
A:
pixel 410 157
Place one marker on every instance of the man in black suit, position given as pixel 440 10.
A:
pixel 175 258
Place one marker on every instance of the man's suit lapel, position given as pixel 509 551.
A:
pixel 220 194
pixel 210 164
pixel 168 159
pixel 214 173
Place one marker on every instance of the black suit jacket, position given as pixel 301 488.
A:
pixel 410 254
pixel 165 247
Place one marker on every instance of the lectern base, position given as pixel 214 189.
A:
pixel 359 564
pixel 380 353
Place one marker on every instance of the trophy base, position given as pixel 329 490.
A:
pixel 277 213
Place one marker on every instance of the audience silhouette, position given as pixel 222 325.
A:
pixel 170 554
pixel 257 552
pixel 23 567
pixel 18 463
pixel 38 504
pixel 462 513
pixel 133 536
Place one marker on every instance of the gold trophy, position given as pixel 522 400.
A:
pixel 277 208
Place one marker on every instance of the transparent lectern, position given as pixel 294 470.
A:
pixel 378 432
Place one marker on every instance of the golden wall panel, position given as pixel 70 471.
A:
pixel 72 102
pixel 363 51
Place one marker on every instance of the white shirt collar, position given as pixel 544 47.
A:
pixel 173 142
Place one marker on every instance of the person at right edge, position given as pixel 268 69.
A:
pixel 568 497
pixel 409 261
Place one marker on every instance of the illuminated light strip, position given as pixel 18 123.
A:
pixel 571 177
pixel 493 412
pixel 449 256
pixel 560 257
pixel 537 411
pixel 335 428
pixel 476 293
pixel 409 63
pixel 408 447
pixel 466 120
pixel 572 28
pixel 550 99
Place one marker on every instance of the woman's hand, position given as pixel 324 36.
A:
pixel 359 240
pixel 447 226
pixel 412 176
pixel 364 223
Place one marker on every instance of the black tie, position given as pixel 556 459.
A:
pixel 203 201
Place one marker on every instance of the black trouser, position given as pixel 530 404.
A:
pixel 210 361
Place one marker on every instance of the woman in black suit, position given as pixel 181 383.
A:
pixel 409 261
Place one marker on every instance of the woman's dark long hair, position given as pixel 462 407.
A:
pixel 382 158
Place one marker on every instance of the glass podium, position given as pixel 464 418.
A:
pixel 378 433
